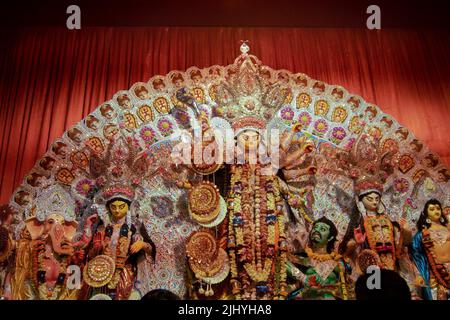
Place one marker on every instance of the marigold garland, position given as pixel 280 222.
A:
pixel 256 239
pixel 368 222
pixel 439 270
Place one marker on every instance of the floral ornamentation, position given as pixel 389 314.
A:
pixel 339 114
pixel 182 118
pixel 356 125
pixel 320 127
pixel 148 135
pixel 84 187
pixel 406 163
pixel 287 114
pixel 305 119
pixel 401 185
pixel 338 134
pixel 165 127
pixel 303 100
pixel 321 108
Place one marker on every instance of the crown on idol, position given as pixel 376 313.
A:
pixel 53 200
pixel 246 99
pixel 370 167
pixel 366 164
pixel 119 172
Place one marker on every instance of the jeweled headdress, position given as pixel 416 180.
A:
pixel 370 166
pixel 366 164
pixel 245 97
pixel 119 172
pixel 54 200
pixel 248 97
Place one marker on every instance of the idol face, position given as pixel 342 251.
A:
pixel 118 209
pixel 249 140
pixel 434 212
pixel 75 135
pixel 126 104
pixel 93 123
pixel 52 220
pixel 107 111
pixel 143 94
pixel 371 201
pixel 320 234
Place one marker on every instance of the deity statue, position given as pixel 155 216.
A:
pixel 7 248
pixel 46 249
pixel 431 251
pixel 319 272
pixel 238 214
pixel 116 244
pixel 256 230
pixel 370 225
pixel 252 226
pixel 371 228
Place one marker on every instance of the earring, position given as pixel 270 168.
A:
pixel 381 208
pixel 442 220
pixel 428 220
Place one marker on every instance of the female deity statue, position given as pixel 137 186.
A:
pixel 115 245
pixel 370 225
pixel 253 177
pixel 431 251
pixel 253 231
pixel 256 239
pixel 319 272
pixel 116 242
pixel 371 228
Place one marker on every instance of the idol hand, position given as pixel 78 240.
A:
pixel 138 246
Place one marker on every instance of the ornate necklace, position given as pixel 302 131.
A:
pixel 121 256
pixel 322 256
pixel 439 270
pixel 39 272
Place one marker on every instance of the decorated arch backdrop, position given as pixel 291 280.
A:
pixel 53 78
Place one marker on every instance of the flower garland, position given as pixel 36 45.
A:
pixel 122 248
pixel 335 257
pixel 256 240
pixel 282 244
pixel 39 272
pixel 234 205
pixel 439 271
pixel 371 237
pixel 246 252
pixel 322 256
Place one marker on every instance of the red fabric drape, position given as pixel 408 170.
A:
pixel 52 78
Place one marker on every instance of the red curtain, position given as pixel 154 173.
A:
pixel 52 78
